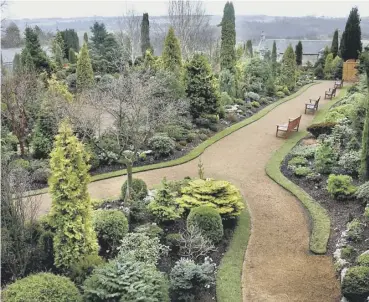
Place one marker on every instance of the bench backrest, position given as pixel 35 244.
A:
pixel 316 103
pixel 292 124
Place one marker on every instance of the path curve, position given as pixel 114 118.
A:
pixel 277 266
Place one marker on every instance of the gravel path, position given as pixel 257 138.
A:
pixel 278 266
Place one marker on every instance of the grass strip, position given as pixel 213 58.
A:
pixel 196 152
pixel 229 276
pixel 321 225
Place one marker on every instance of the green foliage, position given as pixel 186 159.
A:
pixel 319 72
pixel 150 229
pixel 71 206
pixel 142 247
pixel 188 279
pixel 340 186
pixel 355 285
pixel 71 41
pixel 164 206
pixel 255 104
pixel 350 162
pixel 171 56
pixel 362 192
pixel 333 117
pixel 325 158
pixel 334 46
pixel 138 189
pixel 85 74
pixel 42 287
pixel 227 83
pixel 257 72
pixel 298 161
pixel 355 230
pixel 337 67
pixel 228 38
pixel 32 56
pixel 218 194
pixel 347 252
pixel 145 34
pixel 280 94
pixel 288 69
pixel 162 145
pixel 249 49
pixel 126 280
pixel 350 46
pixel 82 269
pixel 176 132
pixel 110 227
pixel 364 167
pixel 173 240
pixel 200 88
pixel 328 67
pixel 208 220
pixel 363 260
pixel 298 53
pixel 72 58
pixel 302 171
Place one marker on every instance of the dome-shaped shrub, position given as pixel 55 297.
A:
pixel 42 287
pixel 138 190
pixel 208 220
pixel 110 226
pixel 355 285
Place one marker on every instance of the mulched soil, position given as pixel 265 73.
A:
pixel 340 212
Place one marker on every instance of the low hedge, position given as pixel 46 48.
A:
pixel 320 220
pixel 196 152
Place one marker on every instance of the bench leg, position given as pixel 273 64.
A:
pixel 276 133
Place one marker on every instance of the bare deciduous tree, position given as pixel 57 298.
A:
pixel 139 104
pixel 19 96
pixel 129 35
pixel 191 25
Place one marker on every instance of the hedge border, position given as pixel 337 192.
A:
pixel 196 152
pixel 229 276
pixel 321 224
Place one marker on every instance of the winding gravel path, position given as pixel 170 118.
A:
pixel 277 266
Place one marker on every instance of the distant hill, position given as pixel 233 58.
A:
pixel 247 27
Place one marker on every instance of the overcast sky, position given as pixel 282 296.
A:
pixel 85 8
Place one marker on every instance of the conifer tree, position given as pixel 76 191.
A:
pixel 71 208
pixel 298 53
pixel 334 47
pixel 328 66
pixel 85 37
pixel 274 53
pixel 228 38
pixel 17 65
pixel 172 59
pixel 145 34
pixel 249 48
pixel 200 88
pixel 85 74
pixel 72 58
pixel 288 69
pixel 364 167
pixel 71 40
pixel 351 46
pixel 32 55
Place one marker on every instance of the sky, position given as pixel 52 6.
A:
pixel 16 9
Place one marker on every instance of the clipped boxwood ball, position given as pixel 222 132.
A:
pixel 355 285
pixel 42 287
pixel 138 190
pixel 208 220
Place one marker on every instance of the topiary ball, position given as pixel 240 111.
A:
pixel 138 190
pixel 42 287
pixel 355 285
pixel 208 220
pixel 110 226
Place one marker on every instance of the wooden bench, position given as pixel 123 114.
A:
pixel 312 106
pixel 292 125
pixel 338 84
pixel 330 93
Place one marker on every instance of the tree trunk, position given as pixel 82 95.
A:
pixel 128 196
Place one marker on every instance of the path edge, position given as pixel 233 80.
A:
pixel 197 151
pixel 321 223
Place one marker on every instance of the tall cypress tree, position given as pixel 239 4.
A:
pixel 334 47
pixel 145 34
pixel 172 58
pixel 228 38
pixel 274 53
pixel 71 208
pixel 351 38
pixel 364 167
pixel 71 40
pixel 298 53
pixel 249 48
pixel 288 70
pixel 200 88
pixel 85 74
pixel 85 37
